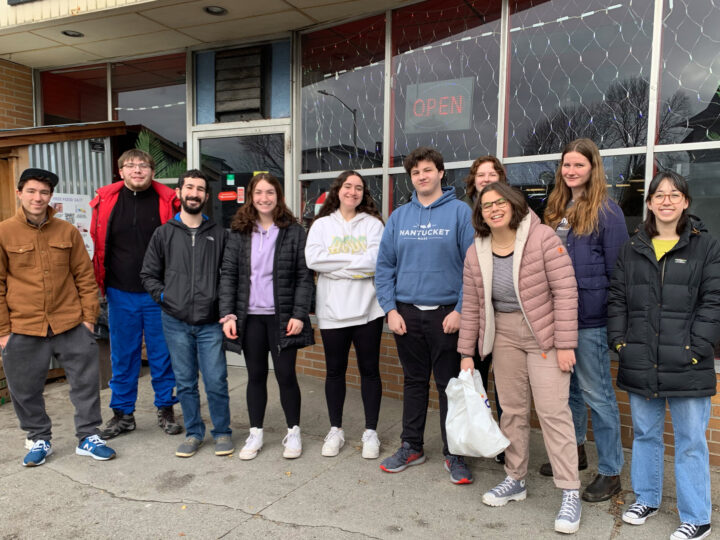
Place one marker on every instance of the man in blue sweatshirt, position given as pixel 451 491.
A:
pixel 419 285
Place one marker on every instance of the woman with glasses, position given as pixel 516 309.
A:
pixel 664 320
pixel 592 228
pixel 520 303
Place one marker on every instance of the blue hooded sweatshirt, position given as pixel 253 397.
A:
pixel 422 253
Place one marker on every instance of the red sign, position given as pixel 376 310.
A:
pixel 240 195
pixel 227 196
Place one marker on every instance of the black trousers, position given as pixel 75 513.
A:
pixel 423 350
pixel 260 337
pixel 336 342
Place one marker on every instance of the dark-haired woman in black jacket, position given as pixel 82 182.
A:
pixel 265 295
pixel 664 319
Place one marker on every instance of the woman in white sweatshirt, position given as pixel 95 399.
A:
pixel 342 247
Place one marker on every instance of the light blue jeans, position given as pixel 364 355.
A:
pixel 592 372
pixel 690 417
pixel 193 348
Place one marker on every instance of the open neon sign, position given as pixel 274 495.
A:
pixel 439 106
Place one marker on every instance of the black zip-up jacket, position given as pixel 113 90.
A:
pixel 182 272
pixel 293 287
pixel 664 316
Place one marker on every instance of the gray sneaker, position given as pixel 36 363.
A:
pixel 506 491
pixel 568 518
pixel 224 445
pixel 189 447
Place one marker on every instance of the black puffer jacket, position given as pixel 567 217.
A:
pixel 181 273
pixel 664 316
pixel 293 287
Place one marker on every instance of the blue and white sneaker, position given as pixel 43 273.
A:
pixel 95 447
pixel 39 450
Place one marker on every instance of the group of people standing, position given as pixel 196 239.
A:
pixel 461 285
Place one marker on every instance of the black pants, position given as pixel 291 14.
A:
pixel 336 342
pixel 483 366
pixel 423 350
pixel 260 337
pixel 26 360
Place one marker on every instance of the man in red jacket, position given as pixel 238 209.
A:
pixel 125 215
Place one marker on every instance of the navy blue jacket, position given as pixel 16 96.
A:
pixel 593 257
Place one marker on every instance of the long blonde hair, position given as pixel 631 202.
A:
pixel 583 216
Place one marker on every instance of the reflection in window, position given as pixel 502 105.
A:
pixel 690 63
pixel 445 64
pixel 313 193
pixel 74 95
pixel 578 68
pixel 625 182
pixel 342 96
pixel 700 170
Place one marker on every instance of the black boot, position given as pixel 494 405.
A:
pixel 602 488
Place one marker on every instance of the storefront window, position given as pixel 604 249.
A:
pixel 342 96
pixel 689 91
pixel 578 68
pixel 445 66
pixel 74 95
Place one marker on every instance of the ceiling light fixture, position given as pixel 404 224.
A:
pixel 73 33
pixel 215 10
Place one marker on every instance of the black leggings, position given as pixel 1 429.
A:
pixel 336 341
pixel 261 336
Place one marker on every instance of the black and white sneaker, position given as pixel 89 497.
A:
pixel 638 513
pixel 688 531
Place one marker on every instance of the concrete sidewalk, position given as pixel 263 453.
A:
pixel 149 493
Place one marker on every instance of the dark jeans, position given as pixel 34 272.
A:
pixel 336 342
pixel 423 350
pixel 26 360
pixel 483 366
pixel 261 337
pixel 193 348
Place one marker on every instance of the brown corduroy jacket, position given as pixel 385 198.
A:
pixel 46 277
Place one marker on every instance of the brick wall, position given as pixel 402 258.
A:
pixel 16 95
pixel 311 361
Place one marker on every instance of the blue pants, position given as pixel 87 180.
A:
pixel 132 315
pixel 192 348
pixel 690 417
pixel 592 372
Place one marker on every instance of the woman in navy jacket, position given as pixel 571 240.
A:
pixel 664 322
pixel 593 228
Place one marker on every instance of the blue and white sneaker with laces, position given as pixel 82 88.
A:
pixel 506 491
pixel 95 447
pixel 39 450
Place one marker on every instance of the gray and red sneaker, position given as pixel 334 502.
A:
pixel 458 469
pixel 405 456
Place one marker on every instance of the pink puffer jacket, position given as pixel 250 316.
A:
pixel 544 284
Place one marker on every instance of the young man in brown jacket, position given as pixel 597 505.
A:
pixel 48 307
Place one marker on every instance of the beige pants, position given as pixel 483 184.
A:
pixel 523 371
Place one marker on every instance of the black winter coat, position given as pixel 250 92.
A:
pixel 293 286
pixel 182 273
pixel 664 316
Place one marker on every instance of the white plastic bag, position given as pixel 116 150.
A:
pixel 471 429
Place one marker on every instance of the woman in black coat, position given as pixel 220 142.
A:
pixel 265 295
pixel 664 319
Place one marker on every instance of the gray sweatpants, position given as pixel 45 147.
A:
pixel 26 361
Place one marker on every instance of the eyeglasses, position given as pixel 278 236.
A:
pixel 674 196
pixel 131 166
pixel 500 203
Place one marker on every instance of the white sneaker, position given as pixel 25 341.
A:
pixel 334 441
pixel 292 443
pixel 371 444
pixel 253 444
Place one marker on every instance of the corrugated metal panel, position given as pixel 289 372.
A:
pixel 45 10
pixel 81 170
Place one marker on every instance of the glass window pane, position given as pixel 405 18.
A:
pixel 313 194
pixel 689 92
pixel 700 170
pixel 342 96
pixel 445 66
pixel 578 68
pixel 149 96
pixel 74 95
